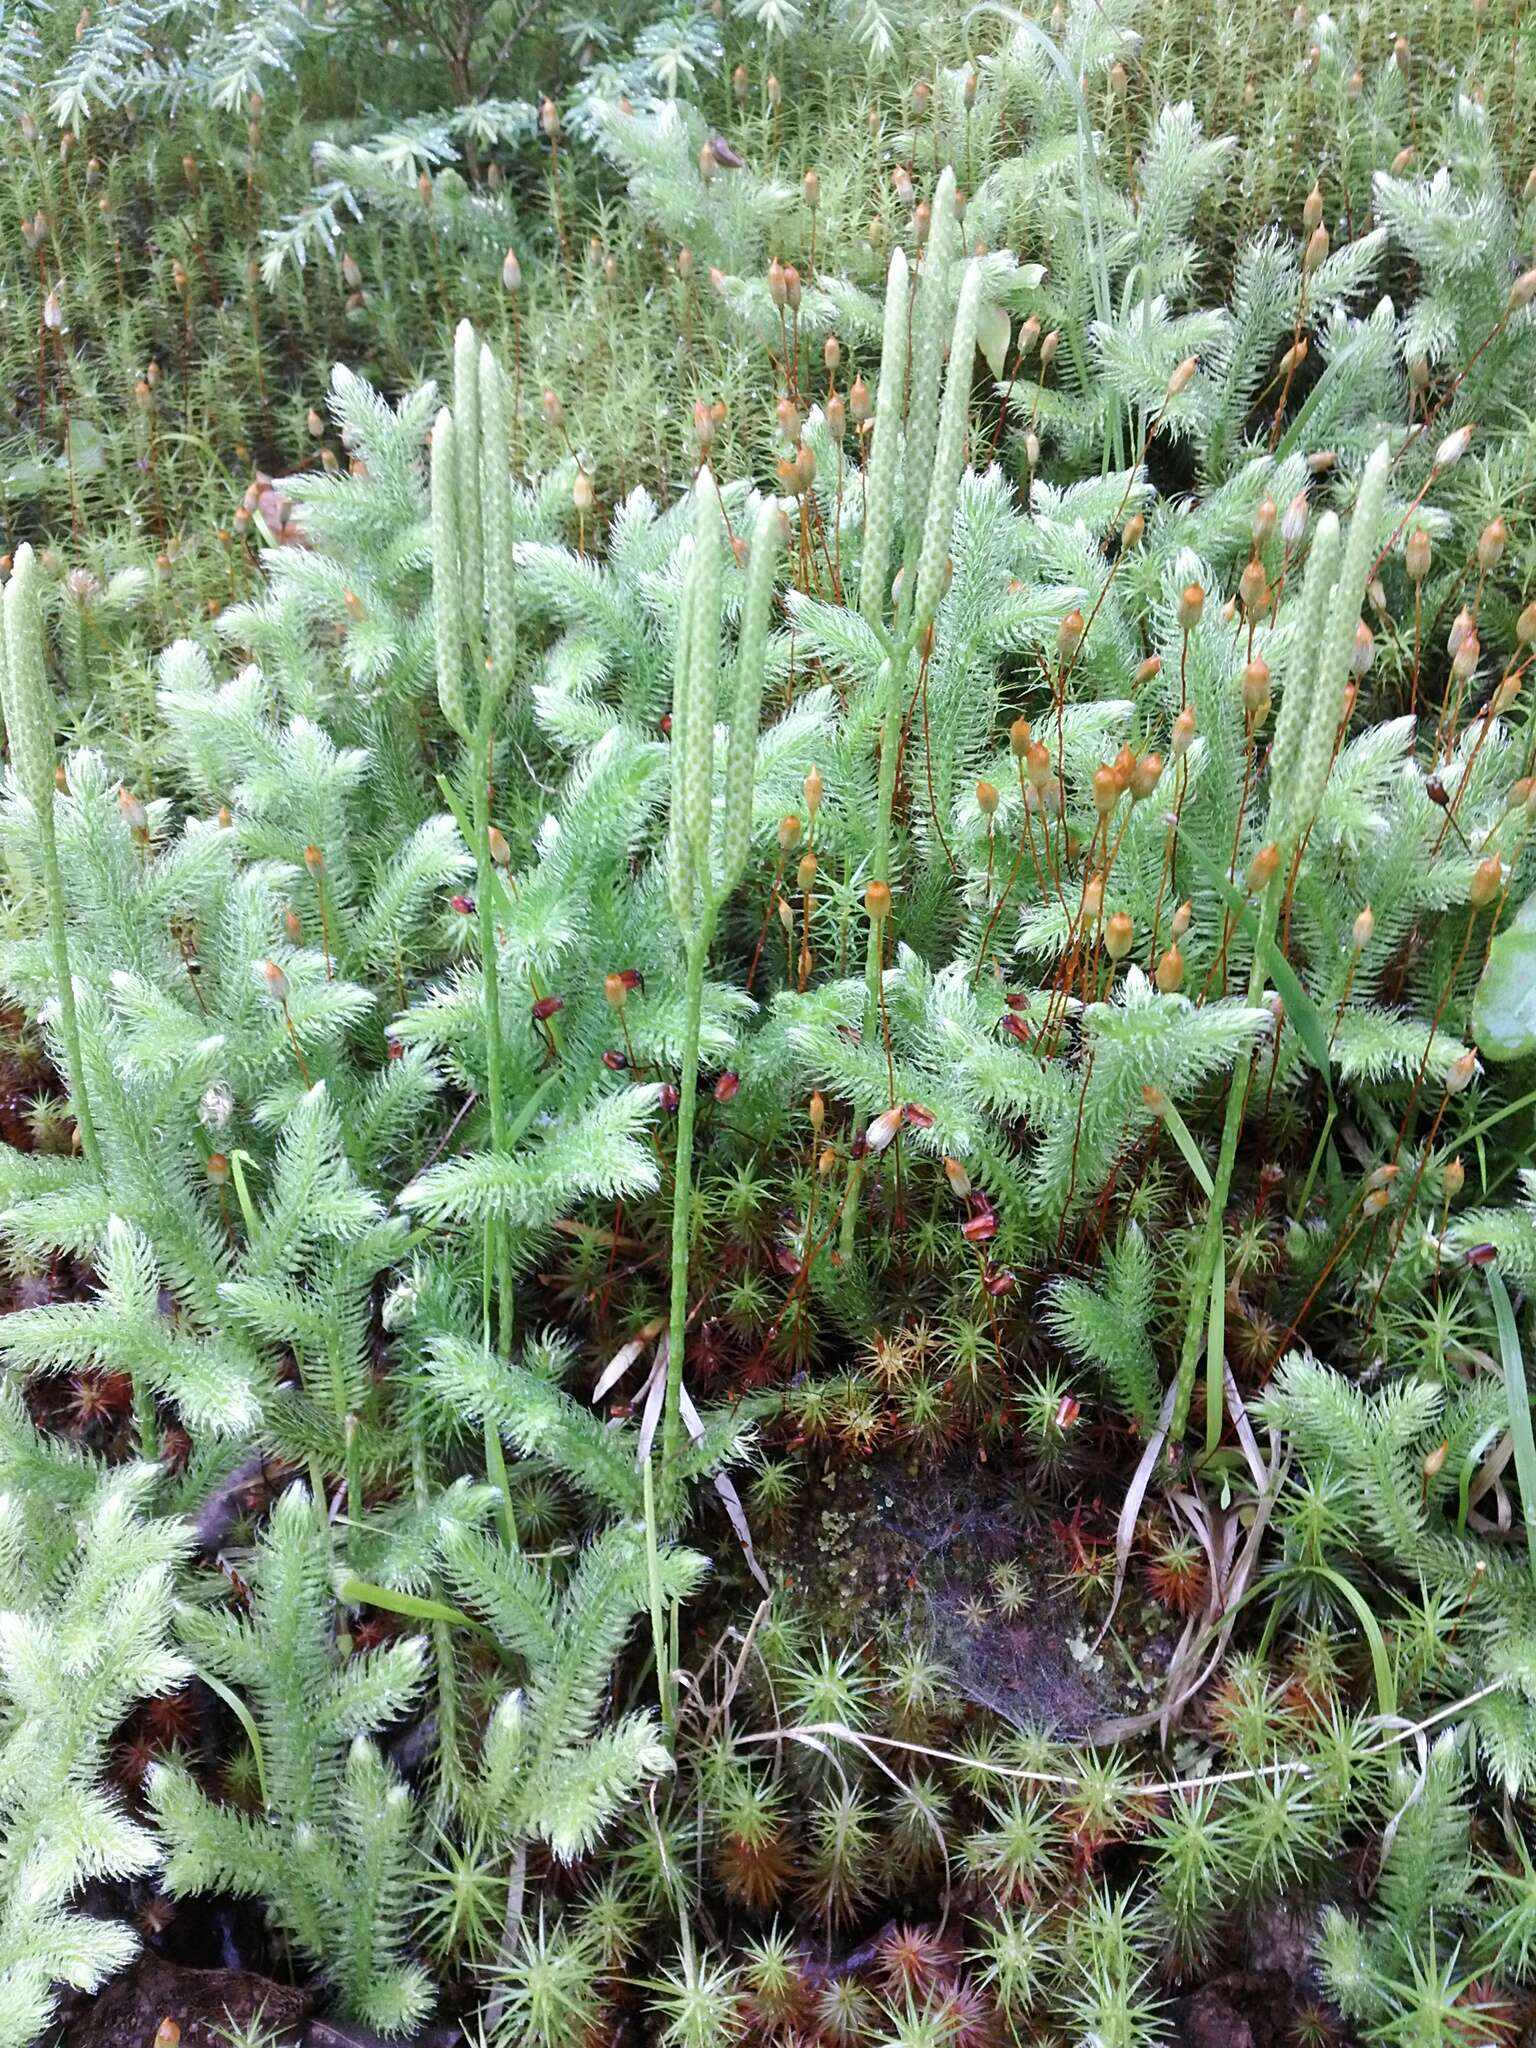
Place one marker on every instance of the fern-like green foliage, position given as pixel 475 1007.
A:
pixel 333 1852
pixel 87 1575
pixel 1401 1458
pixel 1105 1325
pixel 550 1770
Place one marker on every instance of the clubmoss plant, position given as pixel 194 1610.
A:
pixel 703 867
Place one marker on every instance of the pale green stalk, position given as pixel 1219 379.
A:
pixel 29 720
pixel 698 886
pixel 885 448
pixel 1300 762
pixel 1211 1242
pixel 456 476
pixel 924 573
pixel 467 441
pixel 930 332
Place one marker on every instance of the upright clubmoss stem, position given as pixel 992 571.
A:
pixel 703 867
pixel 1209 1250
pixel 468 460
pixel 682 1195
pixel 486 882
pixel 29 720
pixel 69 1022
pixel 658 1615
pixel 880 862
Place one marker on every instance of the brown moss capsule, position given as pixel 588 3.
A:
pixel 1182 374
pixel 1491 543
pixel 1462 1074
pixel 1018 738
pixel 1182 918
pixel 986 798
pixel 500 852
pixel 805 873
pixel 1146 670
pixel 1363 929
pixel 217 1168
pixel 1262 869
pixel 314 860
pixel 813 791
pixel 1487 881
pixel 1455 1179
pixel 135 817
pixel 1191 606
pixel 1145 776
pixel 1363 653
pixel 1184 729
pixel 1265 520
pixel 810 188
pixel 789 833
pixel 1169 973
pixel 1069 634
pixel 1106 791
pixel 1119 935
pixel 1417 555
pixel 275 979
pixel 1253 588
pixel 877 902
pixel 1131 532
pixel 1256 691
